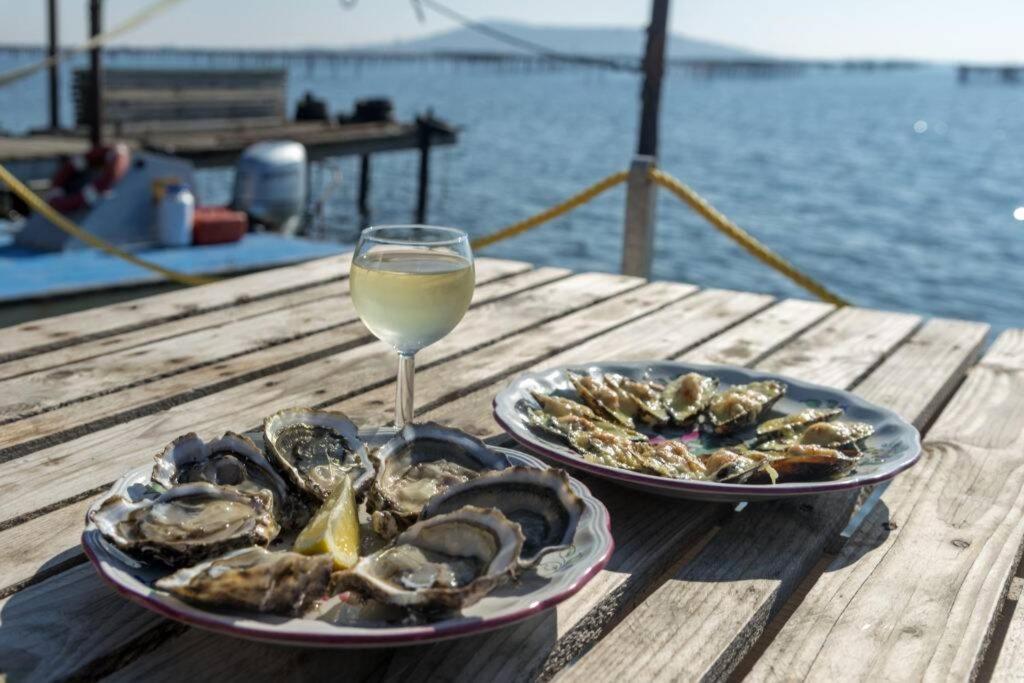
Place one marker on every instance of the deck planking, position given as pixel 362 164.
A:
pixel 56 620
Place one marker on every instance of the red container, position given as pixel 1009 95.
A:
pixel 218 225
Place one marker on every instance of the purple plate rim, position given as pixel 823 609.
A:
pixel 219 622
pixel 706 487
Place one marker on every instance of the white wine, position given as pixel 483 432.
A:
pixel 410 299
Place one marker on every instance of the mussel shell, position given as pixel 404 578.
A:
pixel 795 423
pixel 741 405
pixel 540 501
pixel 839 435
pixel 443 563
pixel 254 579
pixel 327 442
pixel 187 523
pixel 687 396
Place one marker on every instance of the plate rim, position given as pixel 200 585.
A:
pixel 706 488
pixel 226 622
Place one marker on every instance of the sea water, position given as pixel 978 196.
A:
pixel 895 188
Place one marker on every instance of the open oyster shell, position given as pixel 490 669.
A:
pixel 418 463
pixel 229 460
pixel 539 501
pixel 687 395
pixel 315 448
pixel 443 563
pixel 188 523
pixel 254 579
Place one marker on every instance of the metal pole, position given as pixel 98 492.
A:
pixel 54 67
pixel 641 197
pixel 423 130
pixel 364 191
pixel 96 70
pixel 654 67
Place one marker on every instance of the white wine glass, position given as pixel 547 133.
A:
pixel 411 285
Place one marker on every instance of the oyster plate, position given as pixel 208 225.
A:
pixel 895 445
pixel 557 577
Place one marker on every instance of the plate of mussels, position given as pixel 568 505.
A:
pixel 311 531
pixel 707 432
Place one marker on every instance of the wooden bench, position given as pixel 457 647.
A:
pixel 148 100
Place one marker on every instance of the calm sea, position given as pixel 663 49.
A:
pixel 897 189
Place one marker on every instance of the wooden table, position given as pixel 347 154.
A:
pixel 914 580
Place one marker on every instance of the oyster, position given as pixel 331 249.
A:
pixel 621 399
pixel 188 523
pixel 687 396
pixel 539 501
pixel 442 563
pixel 254 579
pixel 315 448
pixel 790 426
pixel 230 460
pixel 741 405
pixel 418 463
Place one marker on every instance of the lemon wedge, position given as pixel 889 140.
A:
pixel 334 529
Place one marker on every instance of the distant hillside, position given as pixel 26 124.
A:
pixel 577 40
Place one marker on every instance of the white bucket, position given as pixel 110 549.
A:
pixel 175 216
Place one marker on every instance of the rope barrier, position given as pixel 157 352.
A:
pixel 49 213
pixel 98 40
pixel 694 201
pixel 554 212
pixel 743 238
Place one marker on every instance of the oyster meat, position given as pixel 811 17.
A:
pixel 418 463
pixel 786 429
pixel 687 396
pixel 539 501
pixel 443 563
pixel 741 405
pixel 315 448
pixel 254 579
pixel 230 460
pixel 188 523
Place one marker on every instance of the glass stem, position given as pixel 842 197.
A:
pixel 403 397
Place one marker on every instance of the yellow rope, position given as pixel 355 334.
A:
pixel 20 72
pixel 555 211
pixel 55 217
pixel 745 240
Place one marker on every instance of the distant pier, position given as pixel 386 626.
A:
pixel 1007 73
pixel 317 59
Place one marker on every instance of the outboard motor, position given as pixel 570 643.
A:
pixel 270 184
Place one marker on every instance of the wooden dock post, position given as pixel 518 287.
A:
pixel 638 236
pixel 641 197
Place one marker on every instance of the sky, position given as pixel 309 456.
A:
pixel 943 30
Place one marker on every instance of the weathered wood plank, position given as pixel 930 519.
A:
pixel 27 551
pixel 1010 664
pixel 71 328
pixel 731 589
pixel 38 392
pixel 916 590
pixel 68 469
pixel 690 320
pixel 84 416
pixel 487 270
